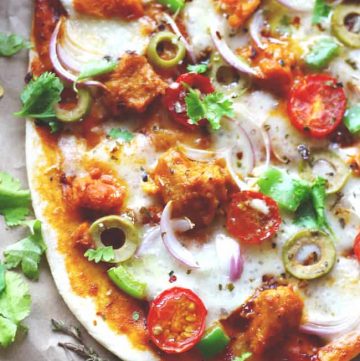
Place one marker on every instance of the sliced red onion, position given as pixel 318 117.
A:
pixel 230 256
pixel 177 31
pixel 171 242
pixel 198 155
pixel 285 139
pixel 256 25
pixel 298 5
pixel 58 67
pixel 66 60
pixel 330 329
pixel 179 225
pixel 228 55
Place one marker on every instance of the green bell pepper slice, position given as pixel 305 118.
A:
pixel 97 68
pixel 321 53
pixel 288 192
pixel 214 342
pixel 173 5
pixel 127 282
pixel 352 119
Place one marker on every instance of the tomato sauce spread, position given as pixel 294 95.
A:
pixel 125 9
pixel 46 15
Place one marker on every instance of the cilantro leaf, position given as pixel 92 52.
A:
pixel 27 252
pixel 8 331
pixel 305 216
pixel 243 357
pixel 15 305
pixel 10 44
pixel 321 12
pixel 40 96
pixel 121 134
pixel 195 107
pixel 14 202
pixel 287 191
pixel 213 107
pixel 54 125
pixel 97 68
pixel 318 196
pixel 311 214
pixel 217 106
pixel 102 254
pixel 198 68
pixel 2 277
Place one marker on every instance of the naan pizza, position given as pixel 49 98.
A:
pixel 196 168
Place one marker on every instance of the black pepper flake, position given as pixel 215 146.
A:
pixel 304 151
pixel 342 222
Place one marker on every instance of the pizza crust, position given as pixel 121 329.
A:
pixel 84 309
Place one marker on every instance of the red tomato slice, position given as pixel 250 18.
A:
pixel 357 247
pixel 176 320
pixel 317 105
pixel 175 95
pixel 252 217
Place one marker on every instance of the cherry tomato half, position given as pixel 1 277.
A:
pixel 252 217
pixel 175 95
pixel 176 320
pixel 317 105
pixel 357 247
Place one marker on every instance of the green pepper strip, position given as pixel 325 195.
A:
pixel 127 283
pixel 288 192
pixel 322 52
pixel 97 68
pixel 214 342
pixel 352 119
pixel 156 59
pixel 173 5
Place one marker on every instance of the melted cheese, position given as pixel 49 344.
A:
pixel 90 39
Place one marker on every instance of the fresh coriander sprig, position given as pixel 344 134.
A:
pixel 212 107
pixel 11 44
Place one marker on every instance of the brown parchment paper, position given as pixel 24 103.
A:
pixel 40 344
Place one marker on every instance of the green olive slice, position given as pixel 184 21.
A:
pixel 109 229
pixel 345 24
pixel 328 165
pixel 225 78
pixel 161 39
pixel 75 114
pixel 323 262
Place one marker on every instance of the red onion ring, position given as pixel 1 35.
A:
pixel 230 256
pixel 177 31
pixel 256 24
pixel 330 329
pixel 199 155
pixel 180 225
pixel 298 5
pixel 228 55
pixel 172 244
pixel 58 67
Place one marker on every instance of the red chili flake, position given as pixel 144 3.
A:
pixel 172 279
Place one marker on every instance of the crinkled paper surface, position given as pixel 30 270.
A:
pixel 40 344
